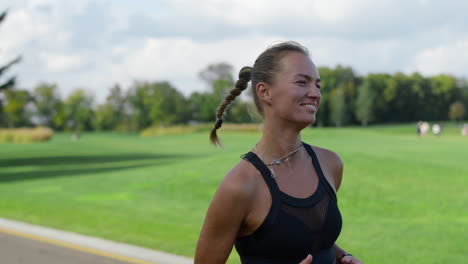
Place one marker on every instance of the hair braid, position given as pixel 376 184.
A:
pixel 241 85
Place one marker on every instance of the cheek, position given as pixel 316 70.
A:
pixel 282 97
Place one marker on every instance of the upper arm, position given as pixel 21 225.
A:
pixel 333 165
pixel 337 170
pixel 224 218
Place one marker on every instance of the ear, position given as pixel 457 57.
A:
pixel 263 92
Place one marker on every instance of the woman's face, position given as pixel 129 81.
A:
pixel 295 92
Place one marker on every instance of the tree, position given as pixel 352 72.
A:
pixel 60 118
pixel 10 82
pixel 117 101
pixel 418 107
pixel 463 86
pixel 399 98
pixel 138 101
pixel 216 72
pixel 457 111
pixel 332 79
pixel 104 117
pixel 46 101
pixel 203 106
pixel 111 114
pixel 78 110
pixel 157 103
pixel 168 105
pixel 338 107
pixel 15 109
pixel 220 80
pixel 239 112
pixel 328 83
pixel 444 91
pixel 365 103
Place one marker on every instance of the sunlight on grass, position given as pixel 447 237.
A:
pixel 402 196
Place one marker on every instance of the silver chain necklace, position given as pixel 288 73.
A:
pixel 281 160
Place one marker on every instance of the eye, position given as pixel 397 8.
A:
pixel 301 82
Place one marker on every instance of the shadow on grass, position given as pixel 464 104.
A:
pixel 84 159
pixel 82 165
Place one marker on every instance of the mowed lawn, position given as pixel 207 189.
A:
pixel 403 197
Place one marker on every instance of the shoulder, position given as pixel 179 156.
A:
pixel 330 156
pixel 332 165
pixel 226 214
pixel 233 199
pixel 240 183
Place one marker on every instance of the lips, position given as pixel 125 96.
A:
pixel 310 106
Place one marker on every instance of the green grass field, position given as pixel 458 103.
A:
pixel 403 197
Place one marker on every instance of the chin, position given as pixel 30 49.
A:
pixel 303 123
pixel 301 120
pixel 310 119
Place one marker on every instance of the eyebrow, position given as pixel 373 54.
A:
pixel 307 77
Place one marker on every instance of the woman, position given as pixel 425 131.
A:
pixel 278 204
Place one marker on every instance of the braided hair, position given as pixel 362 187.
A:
pixel 241 85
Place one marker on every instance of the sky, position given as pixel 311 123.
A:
pixel 94 44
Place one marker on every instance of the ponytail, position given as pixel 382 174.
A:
pixel 241 85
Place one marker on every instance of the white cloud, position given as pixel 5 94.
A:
pixel 17 30
pixel 93 44
pixel 180 59
pixel 342 11
pixel 61 62
pixel 347 18
pixel 449 58
pixel 37 24
pixel 261 12
pixel 423 2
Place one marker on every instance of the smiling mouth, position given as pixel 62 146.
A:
pixel 310 106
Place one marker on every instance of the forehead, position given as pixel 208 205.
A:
pixel 295 63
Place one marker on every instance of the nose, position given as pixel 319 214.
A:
pixel 314 91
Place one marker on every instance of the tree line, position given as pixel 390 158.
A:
pixel 142 105
pixel 347 99
pixel 385 98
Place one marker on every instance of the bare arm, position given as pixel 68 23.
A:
pixel 336 172
pixel 224 219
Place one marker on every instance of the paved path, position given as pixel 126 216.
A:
pixel 19 250
pixel 22 243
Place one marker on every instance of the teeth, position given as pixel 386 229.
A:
pixel 310 106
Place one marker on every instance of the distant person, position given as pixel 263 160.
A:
pixel 464 130
pixel 424 128
pixel 278 204
pixel 436 129
pixel 418 128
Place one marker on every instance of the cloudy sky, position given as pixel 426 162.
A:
pixel 94 44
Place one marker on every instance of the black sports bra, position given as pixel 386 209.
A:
pixel 293 227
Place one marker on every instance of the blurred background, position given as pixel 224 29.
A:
pixel 112 102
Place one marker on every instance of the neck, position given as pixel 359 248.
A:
pixel 277 140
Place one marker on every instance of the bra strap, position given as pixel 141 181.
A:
pixel 263 169
pixel 318 169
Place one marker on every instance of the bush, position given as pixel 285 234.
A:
pixel 187 129
pixel 242 127
pixel 171 130
pixel 26 135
